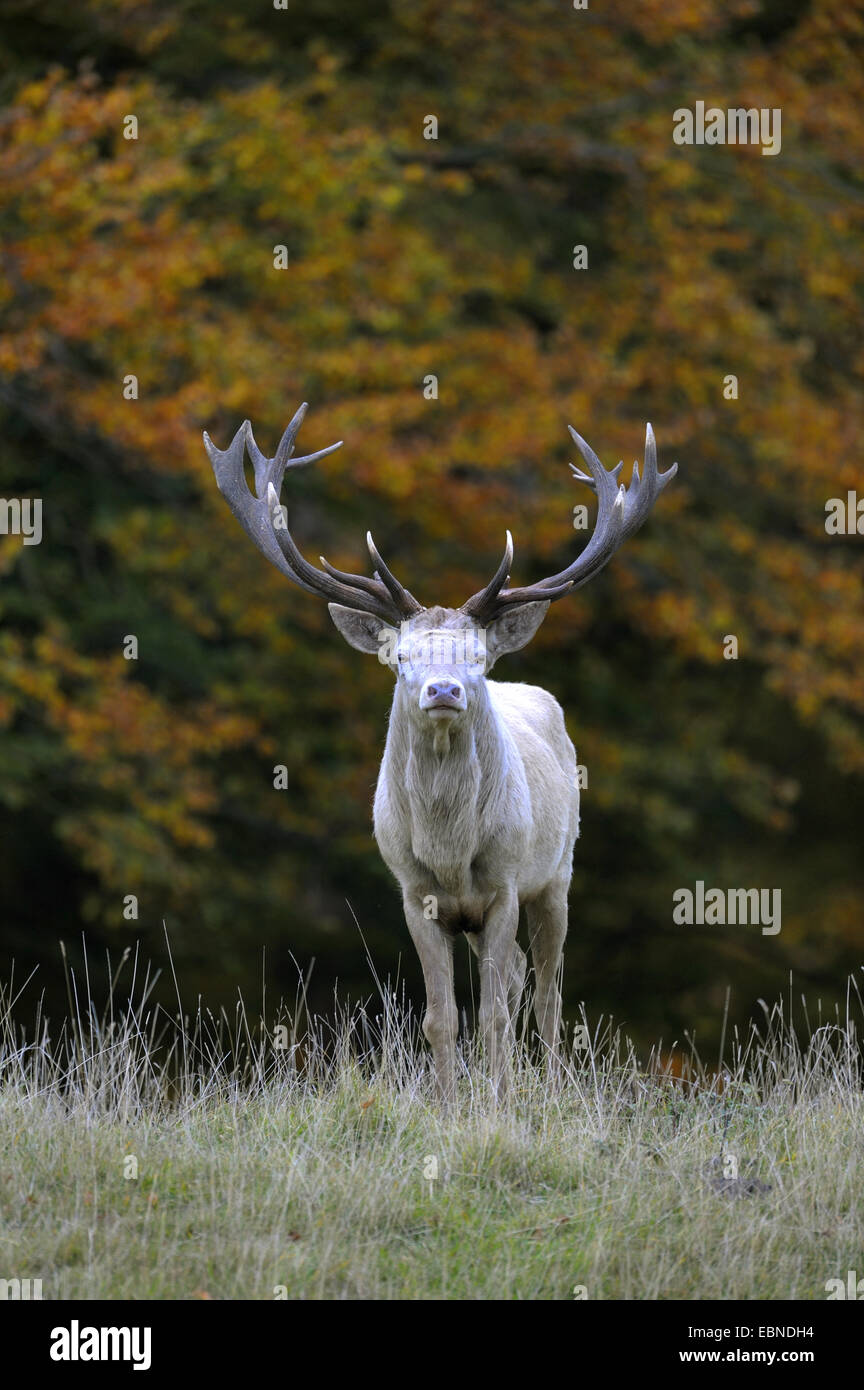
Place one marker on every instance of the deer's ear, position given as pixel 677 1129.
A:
pixel 363 630
pixel 514 630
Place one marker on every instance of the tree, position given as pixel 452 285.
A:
pixel 151 259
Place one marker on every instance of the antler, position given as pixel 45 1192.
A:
pixel 620 512
pixel 262 518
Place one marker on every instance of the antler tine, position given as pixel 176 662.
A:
pixel 263 519
pixel 630 506
pixel 588 480
pixel 370 586
pixel 609 527
pixel 405 602
pixel 250 511
pixel 408 603
pixel 620 512
pixel 484 602
pixel 269 471
pixel 645 491
pixel 334 590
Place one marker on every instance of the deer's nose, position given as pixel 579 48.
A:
pixel 444 689
pixel 442 693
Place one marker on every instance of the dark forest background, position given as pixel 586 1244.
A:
pixel 154 258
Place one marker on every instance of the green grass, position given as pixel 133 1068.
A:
pixel 304 1167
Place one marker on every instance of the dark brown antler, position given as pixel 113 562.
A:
pixel 263 518
pixel 620 512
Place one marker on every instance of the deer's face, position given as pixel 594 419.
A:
pixel 438 666
pixel 441 657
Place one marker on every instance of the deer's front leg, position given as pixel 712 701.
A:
pixel 495 951
pixel 441 1020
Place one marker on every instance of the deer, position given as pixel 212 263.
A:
pixel 476 808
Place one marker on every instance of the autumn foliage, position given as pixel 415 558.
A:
pixel 153 258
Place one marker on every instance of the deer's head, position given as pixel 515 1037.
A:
pixel 438 655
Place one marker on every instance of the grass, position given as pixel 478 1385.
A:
pixel 303 1171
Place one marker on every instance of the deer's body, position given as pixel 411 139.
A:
pixel 501 803
pixel 473 832
pixel 477 806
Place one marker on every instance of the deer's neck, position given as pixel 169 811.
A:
pixel 454 774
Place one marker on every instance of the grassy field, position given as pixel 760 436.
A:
pixel 304 1170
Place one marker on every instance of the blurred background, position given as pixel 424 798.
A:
pixel 153 258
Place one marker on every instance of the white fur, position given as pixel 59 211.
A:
pixel 476 814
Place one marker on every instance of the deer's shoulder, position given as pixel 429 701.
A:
pixel 529 702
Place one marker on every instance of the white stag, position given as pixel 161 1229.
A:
pixel 477 805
